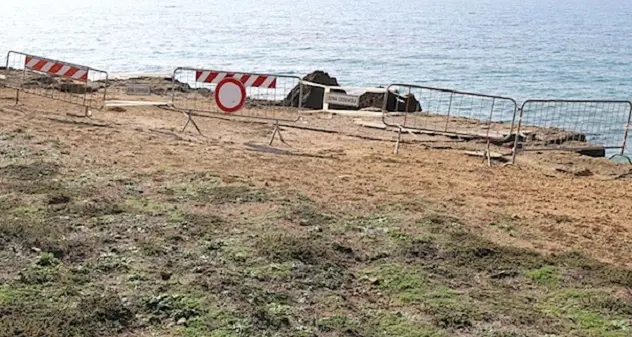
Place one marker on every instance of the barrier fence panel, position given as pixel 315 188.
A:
pixel 450 112
pixel 58 80
pixel 268 96
pixel 571 125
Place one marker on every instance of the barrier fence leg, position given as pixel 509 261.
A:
pixel 190 120
pixel 488 154
pixel 17 96
pixel 399 140
pixel 277 130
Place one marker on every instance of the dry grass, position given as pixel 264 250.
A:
pixel 89 247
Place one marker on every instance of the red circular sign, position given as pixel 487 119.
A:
pixel 230 95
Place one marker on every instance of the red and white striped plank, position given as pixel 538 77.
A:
pixel 56 68
pixel 249 80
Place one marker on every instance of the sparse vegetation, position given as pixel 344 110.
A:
pixel 193 255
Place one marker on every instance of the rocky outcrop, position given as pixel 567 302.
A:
pixel 312 96
pixel 555 136
pixel 75 88
pixel 394 102
pixel 63 85
pixel 159 85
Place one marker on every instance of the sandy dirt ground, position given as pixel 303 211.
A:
pixel 556 201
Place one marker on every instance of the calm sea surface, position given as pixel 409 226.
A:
pixel 523 49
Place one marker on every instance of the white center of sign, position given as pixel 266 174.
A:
pixel 230 95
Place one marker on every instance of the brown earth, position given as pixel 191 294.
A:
pixel 332 167
pixel 549 203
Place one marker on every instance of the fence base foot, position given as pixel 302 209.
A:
pixel 399 140
pixel 277 130
pixel 190 120
pixel 488 156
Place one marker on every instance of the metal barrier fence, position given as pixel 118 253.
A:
pixel 571 125
pixel 57 80
pixel 268 96
pixel 449 112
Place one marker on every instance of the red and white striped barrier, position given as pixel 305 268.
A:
pixel 57 68
pixel 249 80
pixel 48 78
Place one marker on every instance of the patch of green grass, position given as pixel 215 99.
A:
pixel 505 226
pixel 173 307
pixel 31 172
pixel 110 263
pixel 440 219
pixel 35 275
pixel 47 260
pixel 404 283
pixel 340 324
pixel 218 323
pixel 589 272
pixel 608 305
pixel 448 308
pixel 370 225
pixel 306 214
pixel 547 276
pixel 271 272
pixel 32 179
pixel 97 209
pixel 402 325
pixel 26 311
pixel 316 263
pixel 215 193
pixel 149 207
pixel 281 248
pixel 413 205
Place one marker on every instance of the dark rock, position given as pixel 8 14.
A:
pixel 178 86
pixel 395 102
pixel 313 96
pixel 583 173
pixel 158 91
pixel 342 249
pixel 205 92
pixel 402 103
pixel 165 276
pixel 371 100
pixel 503 274
pixel 59 199
pixel 75 88
pixel 41 81
pixel 555 136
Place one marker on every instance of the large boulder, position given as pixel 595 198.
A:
pixel 313 96
pixel 394 102
pixel 403 103
pixel 40 81
pixel 74 88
